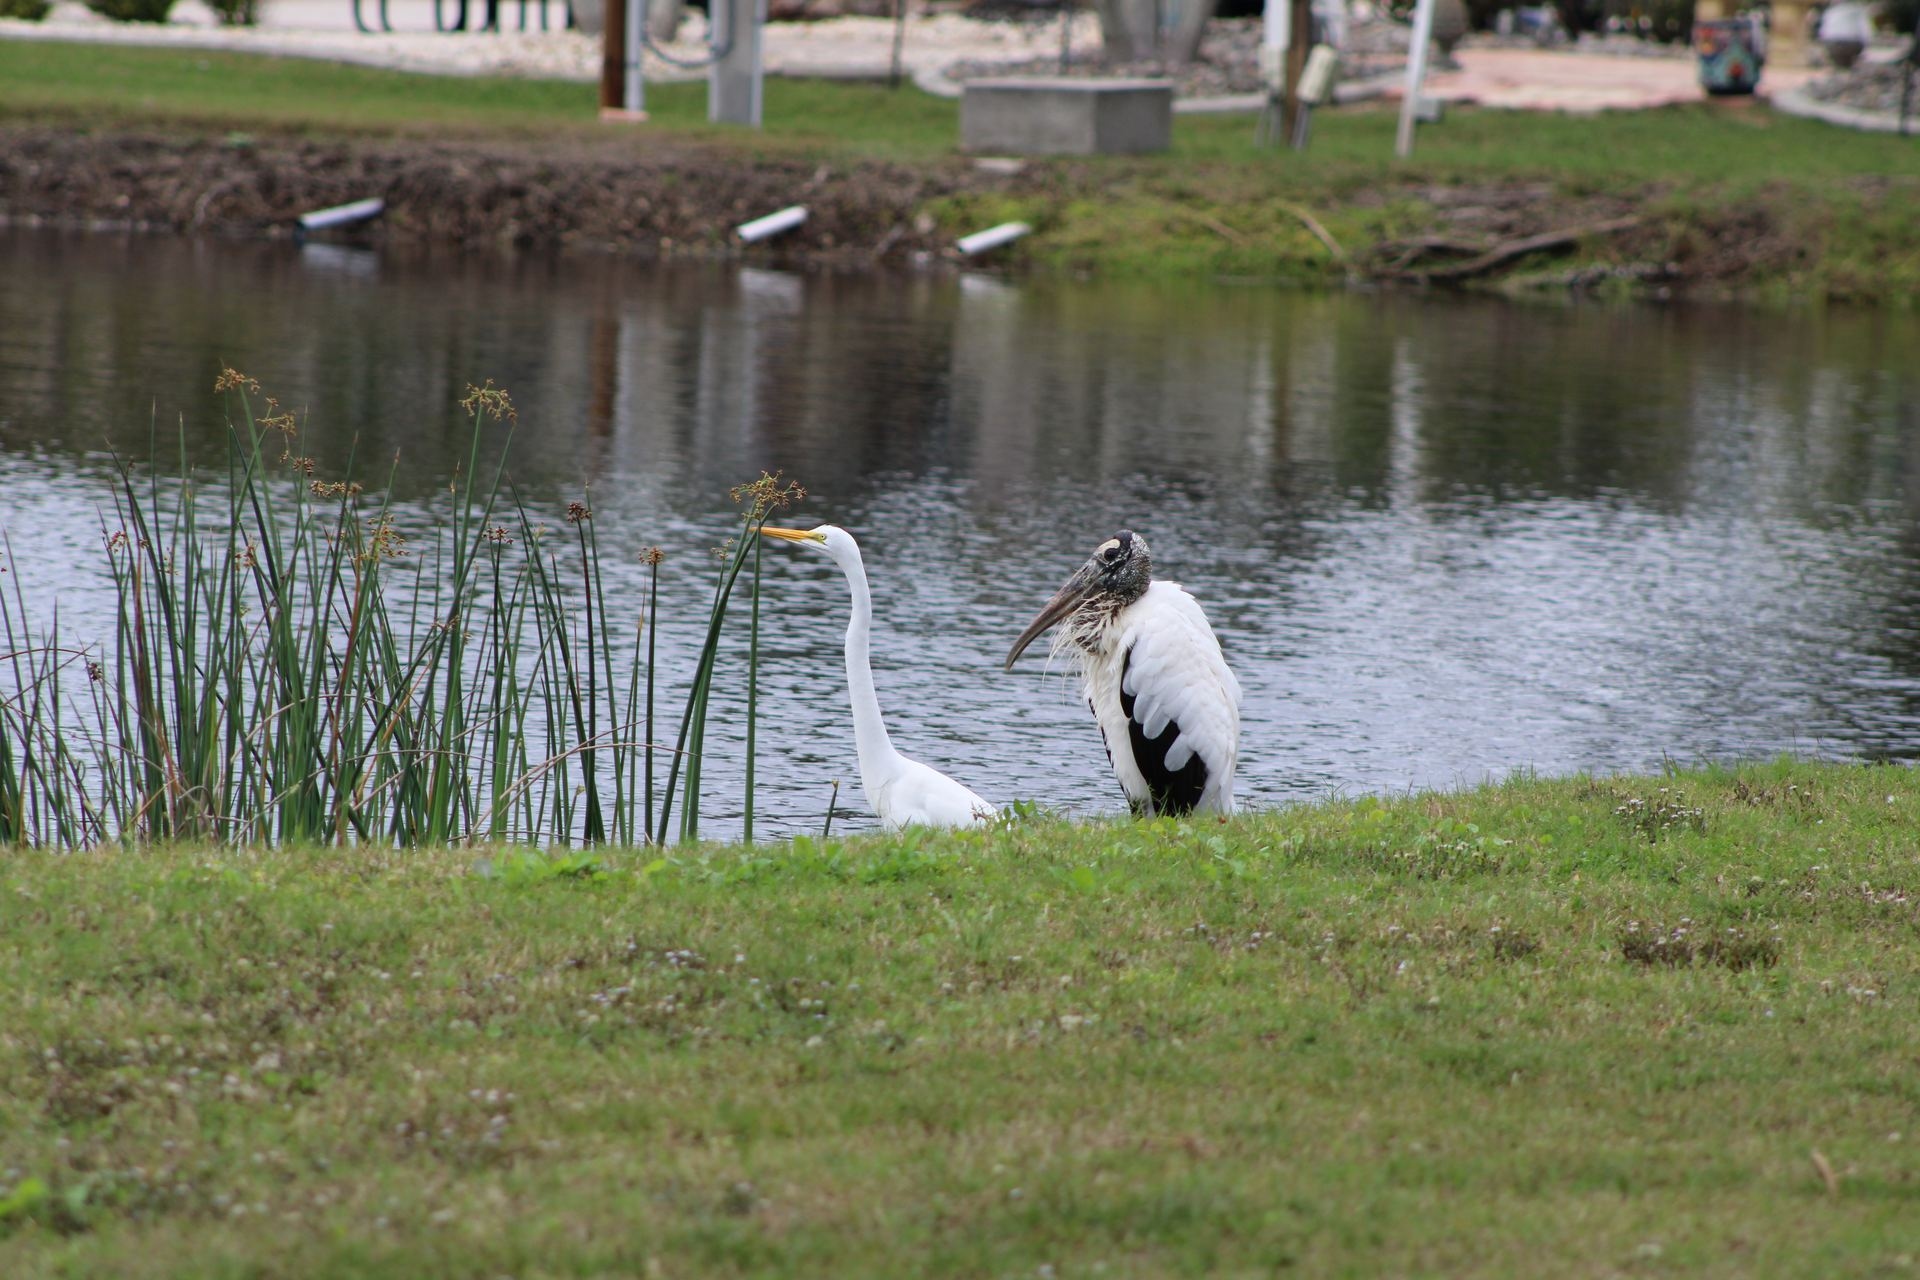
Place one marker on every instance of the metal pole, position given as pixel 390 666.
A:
pixel 734 79
pixel 899 41
pixel 1906 81
pixel 636 93
pixel 1416 75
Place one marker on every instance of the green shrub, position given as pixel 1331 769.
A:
pixel 1902 15
pixel 132 10
pixel 27 10
pixel 236 13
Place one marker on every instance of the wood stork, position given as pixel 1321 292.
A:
pixel 1167 706
pixel 901 792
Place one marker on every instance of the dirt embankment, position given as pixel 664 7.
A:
pixel 683 198
pixel 468 194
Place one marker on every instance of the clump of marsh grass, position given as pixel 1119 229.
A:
pixel 291 663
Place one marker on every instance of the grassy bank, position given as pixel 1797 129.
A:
pixel 1571 1028
pixel 1722 197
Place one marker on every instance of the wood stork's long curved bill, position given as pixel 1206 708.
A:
pixel 1153 674
pixel 1079 589
pixel 900 791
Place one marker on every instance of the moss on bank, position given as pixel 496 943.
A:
pixel 1664 1025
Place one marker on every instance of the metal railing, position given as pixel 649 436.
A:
pixel 487 10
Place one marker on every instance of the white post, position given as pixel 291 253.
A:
pixel 1416 75
pixel 634 96
pixel 1276 32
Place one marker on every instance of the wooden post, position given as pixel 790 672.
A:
pixel 613 57
pixel 621 94
pixel 1299 37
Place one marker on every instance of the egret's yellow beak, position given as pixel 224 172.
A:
pixel 792 535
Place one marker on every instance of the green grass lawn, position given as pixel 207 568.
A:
pixel 1558 1028
pixel 135 86
pixel 124 86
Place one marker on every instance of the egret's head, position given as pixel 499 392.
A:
pixel 1114 577
pixel 830 538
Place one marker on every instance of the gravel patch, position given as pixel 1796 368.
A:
pixel 1228 64
pixel 1867 86
pixel 1229 61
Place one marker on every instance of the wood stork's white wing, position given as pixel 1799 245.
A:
pixel 1168 706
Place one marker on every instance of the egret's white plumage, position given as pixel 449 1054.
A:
pixel 1167 705
pixel 901 792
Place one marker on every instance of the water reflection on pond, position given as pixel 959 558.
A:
pixel 1441 540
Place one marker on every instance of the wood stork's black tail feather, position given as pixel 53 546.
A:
pixel 1173 791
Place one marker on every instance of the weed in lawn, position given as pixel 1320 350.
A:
pixel 1789 797
pixel 1683 944
pixel 1447 853
pixel 1662 813
pixel 1513 944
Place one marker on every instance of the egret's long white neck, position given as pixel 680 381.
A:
pixel 869 730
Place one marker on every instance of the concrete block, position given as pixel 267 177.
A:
pixel 1042 115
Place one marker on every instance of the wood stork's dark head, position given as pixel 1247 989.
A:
pixel 1113 577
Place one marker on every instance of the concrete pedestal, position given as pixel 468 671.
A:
pixel 1048 116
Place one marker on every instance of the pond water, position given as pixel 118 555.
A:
pixel 1441 540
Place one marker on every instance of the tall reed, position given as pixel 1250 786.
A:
pixel 759 499
pixel 291 661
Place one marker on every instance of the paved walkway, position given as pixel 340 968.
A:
pixel 1514 78
pixel 1542 80
pixel 845 47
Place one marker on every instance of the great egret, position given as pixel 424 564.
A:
pixel 1167 706
pixel 901 792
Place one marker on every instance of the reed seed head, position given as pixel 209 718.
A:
pixel 578 511
pixel 767 494
pixel 281 420
pixel 384 542
pixel 489 401
pixel 651 556
pixel 231 379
